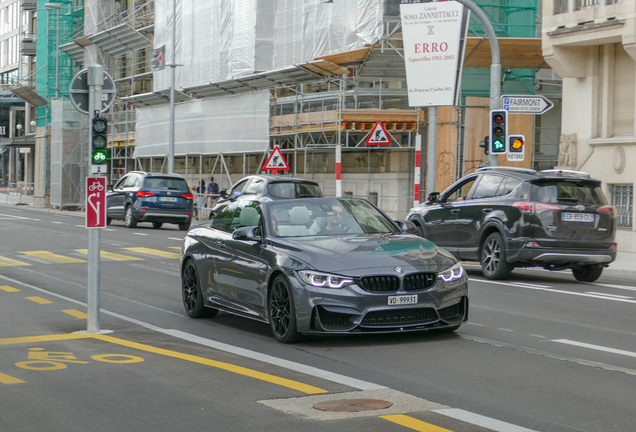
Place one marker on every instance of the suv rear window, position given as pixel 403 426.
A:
pixel 165 183
pixel 567 192
pixel 294 190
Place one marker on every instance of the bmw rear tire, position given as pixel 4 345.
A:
pixel 191 293
pixel 493 258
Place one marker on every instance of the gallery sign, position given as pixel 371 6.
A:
pixel 433 35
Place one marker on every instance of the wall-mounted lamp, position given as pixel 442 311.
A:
pixel 19 128
pixel 33 125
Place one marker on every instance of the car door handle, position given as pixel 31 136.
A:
pixel 487 210
pixel 455 210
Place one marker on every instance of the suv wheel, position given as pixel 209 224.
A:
pixel 587 273
pixel 493 258
pixel 184 226
pixel 131 221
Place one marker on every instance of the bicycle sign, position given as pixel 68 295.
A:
pixel 95 202
pixel 40 360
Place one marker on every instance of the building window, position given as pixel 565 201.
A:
pixel 560 6
pixel 622 197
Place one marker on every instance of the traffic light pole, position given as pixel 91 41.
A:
pixel 495 67
pixel 95 83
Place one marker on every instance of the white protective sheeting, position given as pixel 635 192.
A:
pixel 206 126
pixel 219 40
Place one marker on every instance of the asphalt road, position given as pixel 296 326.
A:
pixel 540 352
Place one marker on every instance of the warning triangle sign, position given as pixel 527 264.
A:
pixel 379 135
pixel 276 161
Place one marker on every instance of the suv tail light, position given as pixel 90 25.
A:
pixel 188 196
pixel 141 194
pixel 532 207
pixel 607 209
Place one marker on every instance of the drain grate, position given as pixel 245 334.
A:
pixel 352 405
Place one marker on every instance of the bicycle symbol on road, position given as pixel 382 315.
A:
pixel 41 360
pixel 96 186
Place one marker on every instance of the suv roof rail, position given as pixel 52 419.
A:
pixel 488 168
pixel 571 172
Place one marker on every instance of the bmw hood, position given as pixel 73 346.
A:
pixel 356 252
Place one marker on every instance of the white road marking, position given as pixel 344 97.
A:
pixel 109 229
pixel 6 216
pixel 81 226
pixel 538 336
pixel 609 295
pixel 557 291
pixel 622 287
pixel 479 420
pixel 506 330
pixel 475 324
pixel 174 238
pixel 142 234
pixel 56 222
pixel 596 347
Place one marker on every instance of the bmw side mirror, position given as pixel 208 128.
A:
pixel 247 233
pixel 433 197
pixel 407 227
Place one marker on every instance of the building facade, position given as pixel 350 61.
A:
pixel 591 44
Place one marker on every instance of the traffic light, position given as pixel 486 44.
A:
pixel 498 131
pixel 516 148
pixel 485 144
pixel 516 143
pixel 99 152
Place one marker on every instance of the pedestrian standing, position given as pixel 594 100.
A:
pixel 200 201
pixel 213 193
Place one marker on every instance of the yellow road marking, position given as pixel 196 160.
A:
pixel 294 385
pixel 154 252
pixel 414 424
pixel 8 262
pixel 8 288
pixel 46 338
pixel 39 300
pixel 75 313
pixel 174 247
pixel 7 379
pixel 50 256
pixel 111 256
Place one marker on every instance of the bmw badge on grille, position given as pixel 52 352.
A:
pixel 398 269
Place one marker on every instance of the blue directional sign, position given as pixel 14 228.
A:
pixel 526 104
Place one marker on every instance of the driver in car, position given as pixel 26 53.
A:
pixel 333 221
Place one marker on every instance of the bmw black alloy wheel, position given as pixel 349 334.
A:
pixel 282 314
pixel 191 293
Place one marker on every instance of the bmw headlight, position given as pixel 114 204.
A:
pixel 453 273
pixel 327 280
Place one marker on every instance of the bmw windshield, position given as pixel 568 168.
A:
pixel 326 216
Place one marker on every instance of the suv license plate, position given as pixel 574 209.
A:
pixel 577 217
pixel 168 199
pixel 402 300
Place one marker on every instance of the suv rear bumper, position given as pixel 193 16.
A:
pixel 161 216
pixel 558 256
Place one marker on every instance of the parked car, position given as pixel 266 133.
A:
pixel 273 187
pixel 369 274
pixel 507 218
pixel 146 197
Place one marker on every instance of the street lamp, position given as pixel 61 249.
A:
pixel 56 6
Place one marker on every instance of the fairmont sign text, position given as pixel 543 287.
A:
pixel 526 104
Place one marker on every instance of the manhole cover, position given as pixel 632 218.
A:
pixel 352 405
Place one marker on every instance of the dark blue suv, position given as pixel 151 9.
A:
pixel 145 197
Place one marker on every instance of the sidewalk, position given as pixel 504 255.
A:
pixel 623 267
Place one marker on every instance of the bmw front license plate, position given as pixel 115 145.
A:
pixel 402 300
pixel 577 217
pixel 168 199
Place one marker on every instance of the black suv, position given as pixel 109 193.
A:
pixel 144 197
pixel 513 217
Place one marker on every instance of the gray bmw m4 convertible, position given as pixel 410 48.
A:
pixel 320 266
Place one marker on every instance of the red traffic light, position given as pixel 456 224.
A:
pixel 498 118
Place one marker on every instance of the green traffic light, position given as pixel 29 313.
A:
pixel 498 146
pixel 100 157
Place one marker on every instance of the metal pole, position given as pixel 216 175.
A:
pixel 431 151
pixel 495 67
pixel 95 83
pixel 57 55
pixel 172 96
